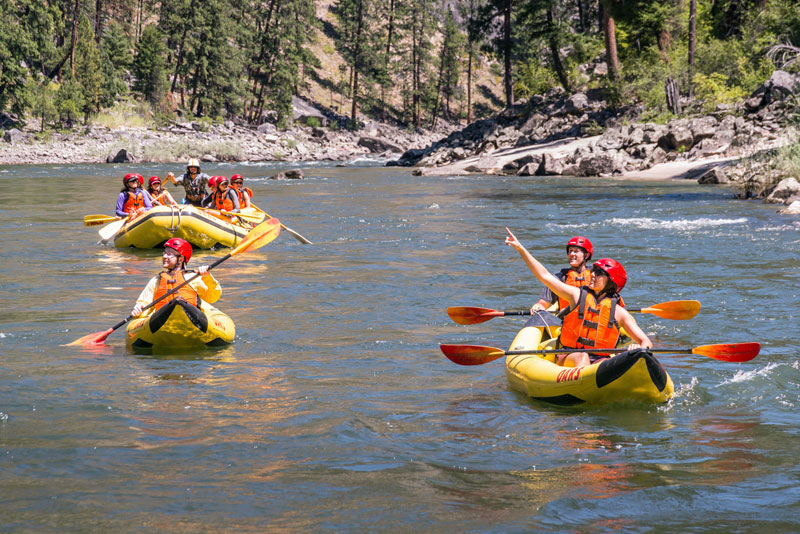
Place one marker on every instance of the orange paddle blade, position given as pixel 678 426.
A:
pixel 471 314
pixel 676 309
pixel 730 352
pixel 259 236
pixel 471 354
pixel 92 339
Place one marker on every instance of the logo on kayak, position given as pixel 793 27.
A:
pixel 569 374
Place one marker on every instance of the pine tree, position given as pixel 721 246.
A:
pixel 88 69
pixel 149 66
pixel 115 53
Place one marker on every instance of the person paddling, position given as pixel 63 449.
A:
pixel 193 181
pixel 158 194
pixel 595 316
pixel 132 199
pixel 244 193
pixel 177 253
pixel 579 251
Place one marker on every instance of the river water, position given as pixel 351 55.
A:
pixel 335 411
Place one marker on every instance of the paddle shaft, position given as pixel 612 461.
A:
pixel 294 234
pixel 170 292
pixel 605 351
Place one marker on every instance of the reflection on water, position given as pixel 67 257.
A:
pixel 335 411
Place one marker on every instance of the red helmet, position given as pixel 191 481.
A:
pixel 182 246
pixel 581 242
pixel 154 180
pixel 131 176
pixel 614 270
pixel 213 181
pixel 221 180
pixel 237 177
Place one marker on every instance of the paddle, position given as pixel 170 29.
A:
pixel 97 220
pixel 258 237
pixel 479 354
pixel 295 235
pixel 675 309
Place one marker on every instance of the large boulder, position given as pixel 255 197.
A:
pixel 679 137
pixel 785 189
pixel 576 103
pixel 305 113
pixel 703 128
pixel 13 136
pixel 792 209
pixel 713 176
pixel 291 174
pixel 122 156
pixel 376 144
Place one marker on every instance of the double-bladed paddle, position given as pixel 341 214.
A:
pixel 257 237
pixel 674 309
pixel 479 354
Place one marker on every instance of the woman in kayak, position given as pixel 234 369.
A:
pixel 579 251
pixel 177 253
pixel 158 194
pixel 132 199
pixel 244 193
pixel 594 317
pixel 224 198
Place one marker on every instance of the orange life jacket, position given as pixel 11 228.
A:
pixel 241 195
pixel 167 283
pixel 223 202
pixel 133 201
pixel 590 323
pixel 573 278
pixel 158 201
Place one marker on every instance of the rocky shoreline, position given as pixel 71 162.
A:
pixel 578 135
pixel 552 134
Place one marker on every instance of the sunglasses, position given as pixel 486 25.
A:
pixel 238 181
pixel 597 271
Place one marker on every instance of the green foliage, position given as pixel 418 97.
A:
pixel 533 78
pixel 313 122
pixel 713 90
pixel 43 104
pixel 69 100
pixel 88 68
pixel 116 57
pixel 149 66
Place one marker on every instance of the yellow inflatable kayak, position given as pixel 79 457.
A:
pixel 180 325
pixel 200 227
pixel 634 375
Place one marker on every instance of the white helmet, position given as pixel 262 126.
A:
pixel 194 162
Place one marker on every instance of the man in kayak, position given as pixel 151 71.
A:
pixel 594 317
pixel 132 199
pixel 177 253
pixel 579 251
pixel 193 181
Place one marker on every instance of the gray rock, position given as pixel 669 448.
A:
pixel 679 137
pixel 703 128
pixel 785 189
pixel 533 168
pixel 376 144
pixel 484 165
pixel 782 84
pixel 291 174
pixel 123 156
pixel 551 165
pixel 267 128
pixel 792 209
pixel 305 113
pixel 597 165
pixel 576 103
pixel 714 175
pixel 13 136
pixel 613 139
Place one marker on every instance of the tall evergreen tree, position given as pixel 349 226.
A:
pixel 88 69
pixel 149 66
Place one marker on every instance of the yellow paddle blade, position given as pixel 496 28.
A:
pixel 97 220
pixel 259 236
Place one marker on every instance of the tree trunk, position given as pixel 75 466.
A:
pixel 386 60
pixel 557 65
pixel 611 43
pixel 507 82
pixel 98 20
pixel 357 64
pixel 74 37
pixel 415 83
pixel 692 41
